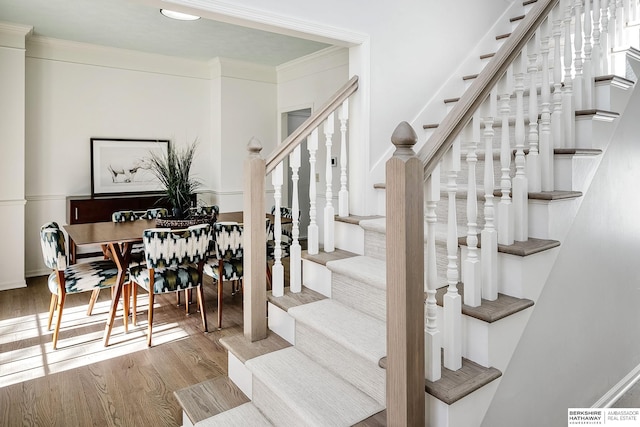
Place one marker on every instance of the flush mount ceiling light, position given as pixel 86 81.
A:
pixel 178 15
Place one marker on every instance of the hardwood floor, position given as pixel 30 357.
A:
pixel 83 383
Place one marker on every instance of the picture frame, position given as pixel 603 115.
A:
pixel 119 166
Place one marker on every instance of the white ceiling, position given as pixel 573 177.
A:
pixel 130 24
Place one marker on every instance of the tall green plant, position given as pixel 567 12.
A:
pixel 173 170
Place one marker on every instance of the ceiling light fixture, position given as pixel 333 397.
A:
pixel 178 15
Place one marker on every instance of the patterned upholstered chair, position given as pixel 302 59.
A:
pixel 70 279
pixel 225 260
pixel 211 211
pixel 137 250
pixel 174 262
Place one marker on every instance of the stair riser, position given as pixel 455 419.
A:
pixel 360 296
pixel 316 277
pixel 574 173
pixel 364 374
pixel 524 277
pixel 467 412
pixel 349 237
pixel 490 344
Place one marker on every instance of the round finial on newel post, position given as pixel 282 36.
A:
pixel 404 138
pixel 254 147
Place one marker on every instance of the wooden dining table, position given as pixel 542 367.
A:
pixel 118 237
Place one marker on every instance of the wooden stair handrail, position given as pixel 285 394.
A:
pixel 305 129
pixel 443 137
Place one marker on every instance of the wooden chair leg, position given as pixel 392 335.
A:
pixel 134 307
pixel 187 300
pixel 92 300
pixel 203 313
pixel 268 277
pixel 125 306
pixel 52 307
pixel 58 319
pixel 149 329
pixel 220 282
pixel 178 298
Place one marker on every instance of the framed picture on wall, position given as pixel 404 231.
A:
pixel 121 166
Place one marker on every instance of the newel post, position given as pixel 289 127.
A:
pixel 255 257
pixel 405 279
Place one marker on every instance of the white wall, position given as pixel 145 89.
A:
pixel 308 83
pixel 406 51
pixel 582 338
pixel 12 154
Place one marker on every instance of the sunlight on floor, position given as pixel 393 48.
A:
pixel 26 350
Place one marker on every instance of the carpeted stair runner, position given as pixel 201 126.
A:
pixel 291 389
pixel 345 341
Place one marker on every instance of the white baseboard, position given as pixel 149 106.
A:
pixel 619 389
pixel 12 285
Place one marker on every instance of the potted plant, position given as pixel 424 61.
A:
pixel 173 170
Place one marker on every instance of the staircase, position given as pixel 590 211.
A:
pixel 324 362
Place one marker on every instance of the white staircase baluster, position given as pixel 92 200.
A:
pixel 452 299
pixel 277 275
pixel 568 111
pixel 532 159
pixel 604 37
pixel 312 230
pixel 343 194
pixel 329 211
pixel 472 268
pixel 545 145
pixel 556 118
pixel 589 83
pixel 433 337
pixel 520 185
pixel 505 207
pixel 295 255
pixel 597 52
pixel 489 235
pixel 577 40
pixel 614 35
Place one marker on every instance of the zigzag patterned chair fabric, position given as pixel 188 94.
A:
pixel 226 257
pixel 174 262
pixel 211 211
pixel 70 279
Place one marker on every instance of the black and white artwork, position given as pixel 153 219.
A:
pixel 122 166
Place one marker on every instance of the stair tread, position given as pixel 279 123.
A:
pixel 354 330
pixel 454 385
pixel 209 398
pixel 294 299
pixel 243 349
pixel 489 311
pixel 311 391
pixel 246 414
pixel 362 268
pixel 530 247
pixel 323 257
pixel 354 219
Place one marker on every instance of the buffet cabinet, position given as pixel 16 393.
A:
pixel 83 209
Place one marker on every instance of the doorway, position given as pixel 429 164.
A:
pixel 293 120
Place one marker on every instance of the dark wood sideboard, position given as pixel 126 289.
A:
pixel 83 209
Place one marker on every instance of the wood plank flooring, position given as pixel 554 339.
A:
pixel 85 384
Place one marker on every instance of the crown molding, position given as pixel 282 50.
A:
pixel 269 21
pixel 14 35
pixel 317 62
pixel 90 54
pixel 225 67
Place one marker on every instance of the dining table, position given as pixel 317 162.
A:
pixel 116 238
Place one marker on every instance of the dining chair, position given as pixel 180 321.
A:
pixel 225 259
pixel 211 211
pixel 70 279
pixel 137 249
pixel 174 261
